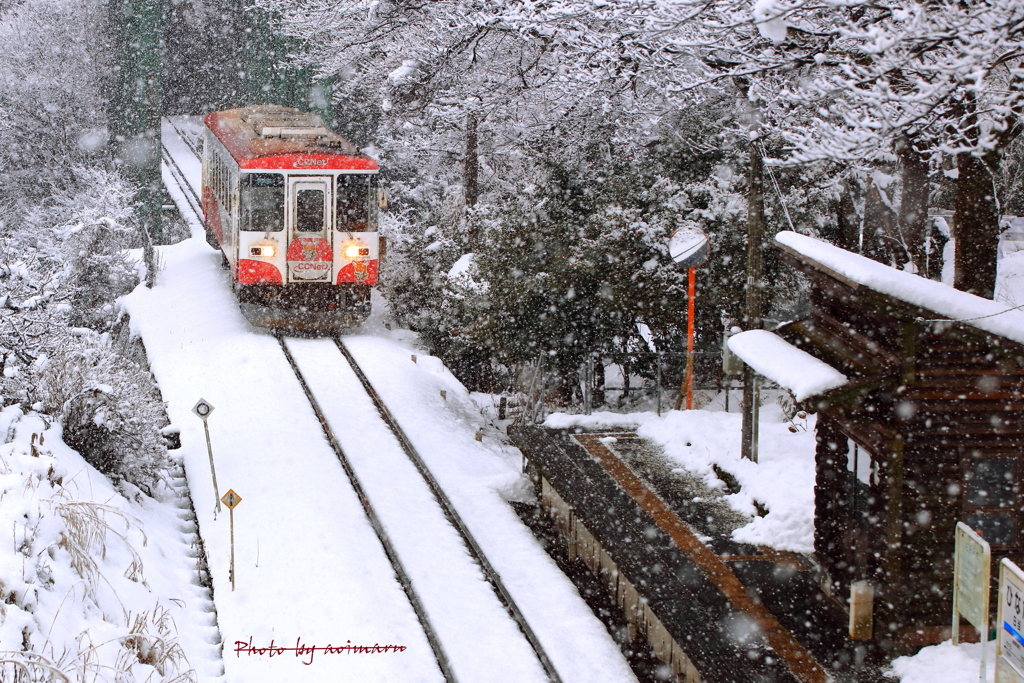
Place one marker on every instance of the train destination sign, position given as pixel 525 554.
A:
pixel 1010 627
pixel 689 246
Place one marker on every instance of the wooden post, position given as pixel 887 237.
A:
pixel 754 299
pixel 231 515
pixel 213 469
pixel 202 409
pixel 657 380
pixel 862 599
pixel 231 500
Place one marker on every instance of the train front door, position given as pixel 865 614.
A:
pixel 310 252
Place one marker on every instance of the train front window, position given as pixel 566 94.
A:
pixel 354 210
pixel 309 210
pixel 262 202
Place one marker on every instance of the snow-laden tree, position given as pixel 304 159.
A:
pixel 65 227
pixel 52 69
pixel 62 268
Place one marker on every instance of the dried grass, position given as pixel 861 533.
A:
pixel 87 528
pixel 152 640
pixel 28 667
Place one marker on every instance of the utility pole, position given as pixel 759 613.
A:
pixel 136 103
pixel 755 296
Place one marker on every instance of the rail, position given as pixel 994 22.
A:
pixel 375 522
pixel 178 175
pixel 453 517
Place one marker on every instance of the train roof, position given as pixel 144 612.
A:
pixel 268 136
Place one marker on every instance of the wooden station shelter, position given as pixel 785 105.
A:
pixel 922 429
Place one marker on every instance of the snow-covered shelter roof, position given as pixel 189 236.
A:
pixel 786 365
pixel 947 303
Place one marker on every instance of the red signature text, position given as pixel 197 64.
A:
pixel 301 650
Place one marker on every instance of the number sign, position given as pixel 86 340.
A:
pixel 1010 642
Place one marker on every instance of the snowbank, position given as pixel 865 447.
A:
pixel 778 360
pixel 94 584
pixel 945 662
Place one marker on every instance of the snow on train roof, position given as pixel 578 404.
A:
pixel 948 303
pixel 275 137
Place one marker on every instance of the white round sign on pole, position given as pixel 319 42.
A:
pixel 689 246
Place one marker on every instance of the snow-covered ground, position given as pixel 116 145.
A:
pixel 946 663
pixel 103 587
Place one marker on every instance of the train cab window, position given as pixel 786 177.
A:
pixel 355 213
pixel 262 202
pixel 309 210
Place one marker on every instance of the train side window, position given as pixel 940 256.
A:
pixel 353 205
pixel 309 210
pixel 262 202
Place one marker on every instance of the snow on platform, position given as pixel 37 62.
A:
pixel 773 357
pixel 479 477
pixel 991 316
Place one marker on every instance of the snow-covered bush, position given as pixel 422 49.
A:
pixel 62 267
pixel 108 405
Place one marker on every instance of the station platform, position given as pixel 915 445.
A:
pixel 659 540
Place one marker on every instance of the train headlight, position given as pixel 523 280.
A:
pixel 355 251
pixel 266 250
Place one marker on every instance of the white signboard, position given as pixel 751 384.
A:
pixel 972 572
pixel 971 577
pixel 1010 627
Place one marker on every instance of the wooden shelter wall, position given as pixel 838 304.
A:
pixel 942 394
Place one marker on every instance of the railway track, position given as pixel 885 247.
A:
pixel 441 502
pixel 455 584
pixel 191 196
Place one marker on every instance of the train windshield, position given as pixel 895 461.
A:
pixel 356 208
pixel 309 210
pixel 262 202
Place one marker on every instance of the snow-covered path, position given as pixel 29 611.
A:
pixel 476 475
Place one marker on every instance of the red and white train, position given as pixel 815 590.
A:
pixel 293 207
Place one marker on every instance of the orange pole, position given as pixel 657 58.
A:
pixel 689 342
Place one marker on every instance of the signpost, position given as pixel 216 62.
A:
pixel 971 578
pixel 231 499
pixel 203 410
pixel 1010 627
pixel 689 248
